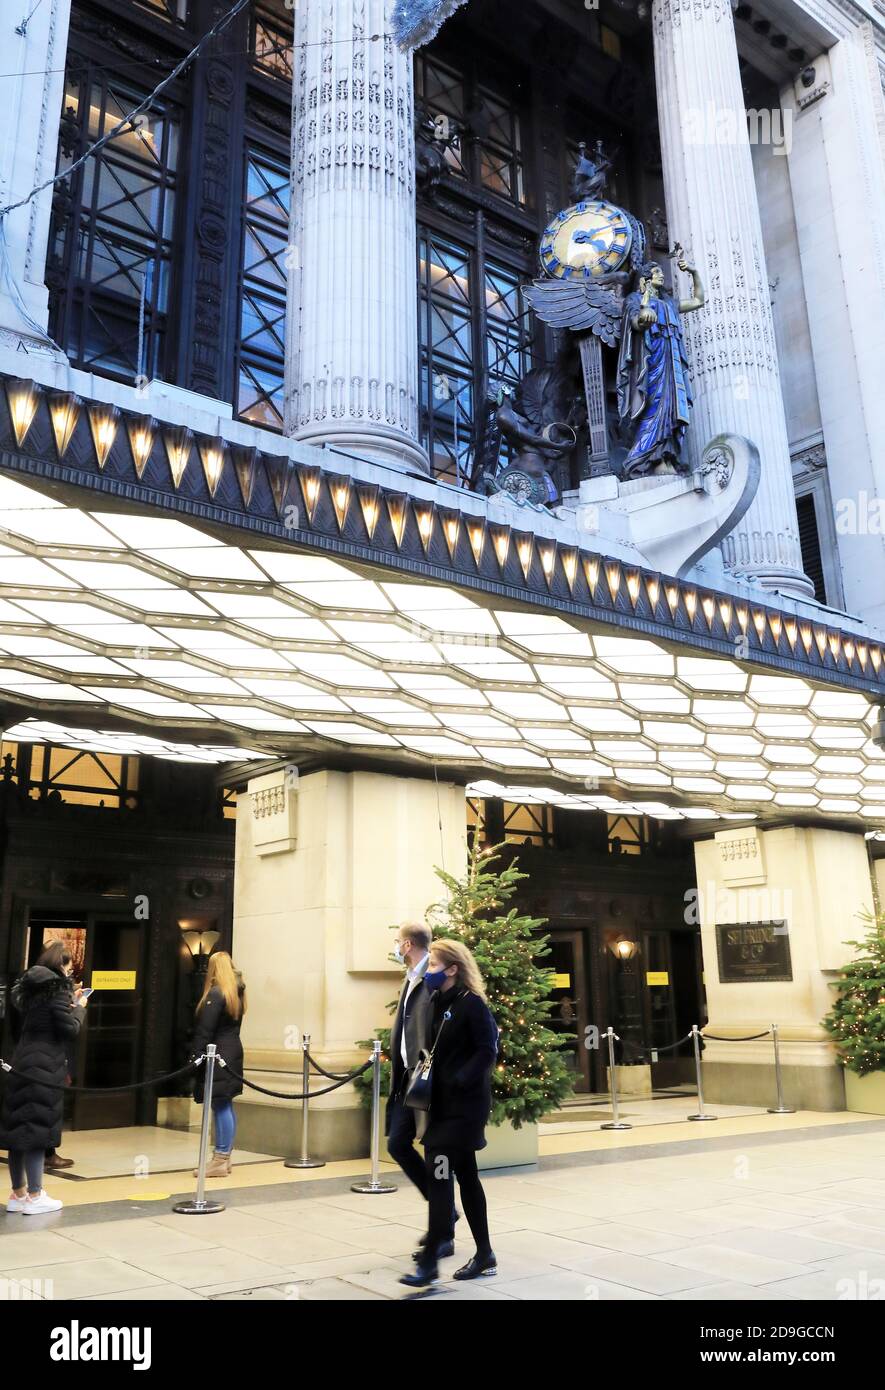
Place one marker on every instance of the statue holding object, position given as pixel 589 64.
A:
pixel 654 391
pixel 599 286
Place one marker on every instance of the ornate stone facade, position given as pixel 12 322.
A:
pixel 352 369
pixel 712 209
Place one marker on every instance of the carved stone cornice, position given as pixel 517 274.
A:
pixel 811 459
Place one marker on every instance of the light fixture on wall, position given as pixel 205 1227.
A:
pixel 200 937
pixel 624 949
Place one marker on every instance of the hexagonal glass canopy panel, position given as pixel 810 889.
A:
pixel 127 630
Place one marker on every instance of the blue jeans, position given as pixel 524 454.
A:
pixel 225 1125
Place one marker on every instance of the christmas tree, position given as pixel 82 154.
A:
pixel 856 1022
pixel 530 1076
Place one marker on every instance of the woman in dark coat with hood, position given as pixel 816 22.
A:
pixel 219 1015
pixel 33 1103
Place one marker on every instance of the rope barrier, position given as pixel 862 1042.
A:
pixel 288 1095
pixel 331 1075
pixel 99 1090
pixel 753 1037
pixel 664 1047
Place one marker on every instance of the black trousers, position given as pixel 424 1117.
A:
pixel 443 1166
pixel 401 1145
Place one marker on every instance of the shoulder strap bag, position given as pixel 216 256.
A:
pixel 420 1087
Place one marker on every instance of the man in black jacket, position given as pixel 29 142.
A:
pixel 408 1037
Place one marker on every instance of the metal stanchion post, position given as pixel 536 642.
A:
pixel 780 1108
pixel 305 1161
pixel 696 1043
pixel 199 1206
pixel 616 1121
pixel 375 1185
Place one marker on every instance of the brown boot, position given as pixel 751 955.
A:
pixel 217 1167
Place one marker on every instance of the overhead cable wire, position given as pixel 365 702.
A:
pixel 127 123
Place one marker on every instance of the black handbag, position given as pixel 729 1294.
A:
pixel 420 1087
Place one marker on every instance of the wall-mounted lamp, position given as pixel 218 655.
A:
pixel 624 949
pixel 200 940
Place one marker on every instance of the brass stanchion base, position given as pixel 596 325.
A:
pixel 780 1110
pixel 612 1125
pixel 370 1188
pixel 702 1117
pixel 194 1208
pixel 304 1163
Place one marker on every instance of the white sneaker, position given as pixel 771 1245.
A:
pixel 16 1203
pixel 37 1206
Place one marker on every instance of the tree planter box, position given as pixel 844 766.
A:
pixel 633 1082
pixel 865 1094
pixel 506 1147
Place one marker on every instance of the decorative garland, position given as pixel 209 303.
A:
pixel 416 22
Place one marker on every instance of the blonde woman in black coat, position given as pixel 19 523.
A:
pixel 33 1103
pixel 465 1041
pixel 219 1015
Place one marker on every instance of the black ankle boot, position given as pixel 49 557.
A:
pixel 426 1274
pixel 480 1267
pixel 445 1251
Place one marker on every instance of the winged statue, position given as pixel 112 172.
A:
pixel 582 306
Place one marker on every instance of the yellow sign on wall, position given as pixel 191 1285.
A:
pixel 113 979
pixel 657 977
pixel 562 981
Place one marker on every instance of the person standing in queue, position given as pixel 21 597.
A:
pixel 33 1105
pixel 465 1046
pixel 219 1016
pixel 408 1037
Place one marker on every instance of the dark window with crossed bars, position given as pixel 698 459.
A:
pixel 484 128
pixel 110 261
pixel 261 347
pixel 176 10
pixel 272 39
pixel 476 337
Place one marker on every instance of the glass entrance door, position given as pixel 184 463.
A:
pixel 108 954
pixel 569 1014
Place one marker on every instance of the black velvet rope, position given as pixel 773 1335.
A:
pixel 753 1037
pixel 299 1095
pixel 332 1075
pixel 7 1069
pixel 666 1047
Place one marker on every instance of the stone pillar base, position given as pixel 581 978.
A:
pixel 742 1083
pixel 276 1129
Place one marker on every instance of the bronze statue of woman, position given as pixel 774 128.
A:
pixel 654 392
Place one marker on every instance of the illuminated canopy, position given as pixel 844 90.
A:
pixel 179 642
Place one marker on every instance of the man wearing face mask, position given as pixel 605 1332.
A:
pixel 408 1037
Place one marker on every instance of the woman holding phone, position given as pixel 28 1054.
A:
pixel 219 1015
pixel 33 1103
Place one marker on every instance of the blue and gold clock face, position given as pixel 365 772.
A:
pixel 586 241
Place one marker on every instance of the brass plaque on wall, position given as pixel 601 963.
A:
pixel 749 952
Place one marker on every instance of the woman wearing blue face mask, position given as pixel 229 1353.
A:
pixel 465 1048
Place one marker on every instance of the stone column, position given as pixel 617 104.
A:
pixel 818 882
pixel 837 174
pixel 712 210
pixel 28 142
pixel 325 865
pixel 352 353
